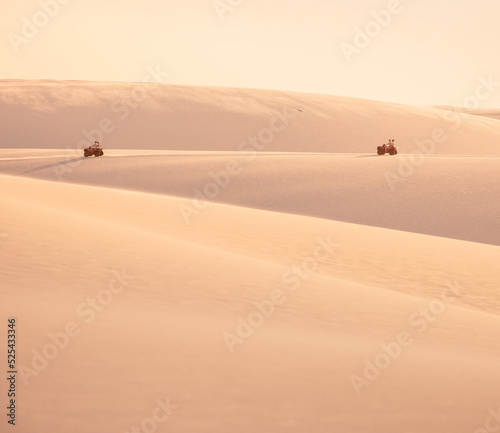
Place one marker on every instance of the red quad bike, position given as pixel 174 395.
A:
pixel 387 148
pixel 92 151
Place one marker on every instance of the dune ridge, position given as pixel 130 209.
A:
pixel 68 114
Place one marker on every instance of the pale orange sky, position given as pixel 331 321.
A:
pixel 431 52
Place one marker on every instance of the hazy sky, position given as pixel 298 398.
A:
pixel 426 51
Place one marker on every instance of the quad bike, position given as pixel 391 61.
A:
pixel 92 151
pixel 387 148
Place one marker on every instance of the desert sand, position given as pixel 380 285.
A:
pixel 241 261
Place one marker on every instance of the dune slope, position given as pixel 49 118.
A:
pixel 180 291
pixel 65 114
pixel 443 196
pixel 240 261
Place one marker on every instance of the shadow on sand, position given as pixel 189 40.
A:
pixel 55 164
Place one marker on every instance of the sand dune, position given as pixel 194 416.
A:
pixel 137 116
pixel 491 113
pixel 167 326
pixel 219 283
pixel 441 196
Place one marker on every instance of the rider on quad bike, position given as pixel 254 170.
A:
pixel 389 148
pixel 94 150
